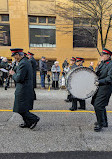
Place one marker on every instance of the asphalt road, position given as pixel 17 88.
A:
pixel 56 131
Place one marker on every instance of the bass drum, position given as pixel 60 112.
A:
pixel 80 82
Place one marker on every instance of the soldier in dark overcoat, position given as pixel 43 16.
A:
pixel 79 62
pixel 101 98
pixel 34 68
pixel 24 89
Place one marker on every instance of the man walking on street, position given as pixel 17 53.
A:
pixel 24 89
pixel 101 98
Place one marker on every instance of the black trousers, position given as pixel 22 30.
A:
pixel 29 118
pixel 34 94
pixel 55 84
pixel 69 97
pixel 101 115
pixel 82 103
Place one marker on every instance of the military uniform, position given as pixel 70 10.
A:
pixel 101 99
pixel 24 91
pixel 75 100
pixel 69 96
pixel 34 67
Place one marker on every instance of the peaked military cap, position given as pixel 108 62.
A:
pixel 29 53
pixel 106 51
pixel 15 51
pixel 79 59
pixel 73 59
pixel 25 54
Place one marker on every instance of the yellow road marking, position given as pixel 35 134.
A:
pixel 55 111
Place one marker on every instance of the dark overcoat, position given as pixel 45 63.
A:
pixel 34 67
pixel 104 73
pixel 24 87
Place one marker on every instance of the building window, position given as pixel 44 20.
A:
pixel 33 19
pixel 4 31
pixel 43 32
pixel 51 20
pixel 85 33
pixel 5 18
pixel 42 19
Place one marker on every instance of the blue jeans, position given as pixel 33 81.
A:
pixel 42 80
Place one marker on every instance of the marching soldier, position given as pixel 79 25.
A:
pixel 24 89
pixel 101 98
pixel 79 62
pixel 34 67
pixel 73 65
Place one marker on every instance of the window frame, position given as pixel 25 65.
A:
pixel 30 23
pixel 42 24
pixel 5 22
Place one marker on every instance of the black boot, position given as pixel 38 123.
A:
pixel 23 125
pixel 98 128
pixel 72 109
pixel 104 124
pixel 66 100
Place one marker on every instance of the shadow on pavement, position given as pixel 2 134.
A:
pixel 58 155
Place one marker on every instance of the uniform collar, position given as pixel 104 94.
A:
pixel 107 60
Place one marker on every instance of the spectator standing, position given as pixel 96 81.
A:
pixel 43 71
pixel 55 75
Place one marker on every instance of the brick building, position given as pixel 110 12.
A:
pixel 39 27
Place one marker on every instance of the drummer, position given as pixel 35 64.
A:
pixel 72 66
pixel 101 98
pixel 79 62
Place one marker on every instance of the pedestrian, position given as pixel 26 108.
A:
pixel 34 68
pixel 24 89
pixel 43 71
pixel 72 66
pixel 101 98
pixel 91 66
pixel 79 63
pixel 55 75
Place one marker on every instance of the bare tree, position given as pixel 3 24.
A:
pixel 100 13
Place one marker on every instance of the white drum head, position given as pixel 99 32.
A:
pixel 81 81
